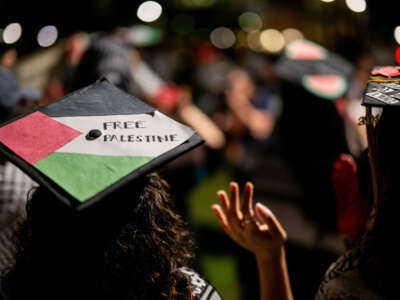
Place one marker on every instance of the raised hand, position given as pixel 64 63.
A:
pixel 237 218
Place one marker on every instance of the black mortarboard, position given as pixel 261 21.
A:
pixel 383 88
pixel 382 91
pixel 91 142
pixel 311 66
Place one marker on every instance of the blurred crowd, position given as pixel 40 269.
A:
pixel 257 126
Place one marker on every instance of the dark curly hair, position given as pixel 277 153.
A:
pixel 129 247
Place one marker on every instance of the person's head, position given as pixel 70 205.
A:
pixel 128 247
pixel 8 55
pixel 241 82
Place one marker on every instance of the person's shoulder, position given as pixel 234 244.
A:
pixel 343 279
pixel 201 288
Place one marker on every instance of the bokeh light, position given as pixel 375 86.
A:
pixel 241 39
pixel 253 41
pixel 357 6
pixel 397 34
pixel 327 1
pixel 250 21
pixel 12 33
pixel 47 36
pixel 143 35
pixel 222 38
pixel 291 34
pixel 149 11
pixel 272 40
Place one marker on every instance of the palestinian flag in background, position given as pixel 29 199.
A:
pixel 91 139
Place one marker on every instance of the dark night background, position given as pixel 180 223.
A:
pixel 343 27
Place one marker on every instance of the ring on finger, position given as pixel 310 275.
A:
pixel 245 222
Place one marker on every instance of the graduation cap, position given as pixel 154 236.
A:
pixel 91 142
pixel 383 88
pixel 319 71
pixel 382 92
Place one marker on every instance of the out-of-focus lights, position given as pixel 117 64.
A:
pixel 149 11
pixel 327 0
pixel 143 35
pixel 47 36
pixel 397 34
pixel 241 38
pixel 253 41
pixel 291 34
pixel 250 21
pixel 272 40
pixel 222 38
pixel 12 33
pixel 357 6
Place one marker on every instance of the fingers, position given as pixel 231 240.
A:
pixel 229 210
pixel 222 220
pixel 223 198
pixel 247 201
pixel 266 216
pixel 231 206
pixel 235 202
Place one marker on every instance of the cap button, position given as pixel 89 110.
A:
pixel 93 134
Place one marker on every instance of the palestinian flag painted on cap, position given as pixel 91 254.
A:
pixel 89 140
pixel 319 71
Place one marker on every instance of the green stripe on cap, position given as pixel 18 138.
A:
pixel 85 175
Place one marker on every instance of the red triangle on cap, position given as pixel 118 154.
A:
pixel 36 136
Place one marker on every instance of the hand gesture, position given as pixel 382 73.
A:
pixel 238 220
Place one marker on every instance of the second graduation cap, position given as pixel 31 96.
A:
pixel 383 88
pixel 86 145
pixel 314 68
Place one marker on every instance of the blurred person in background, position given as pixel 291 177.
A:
pixel 61 75
pixel 14 184
pixel 8 56
pixel 247 114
